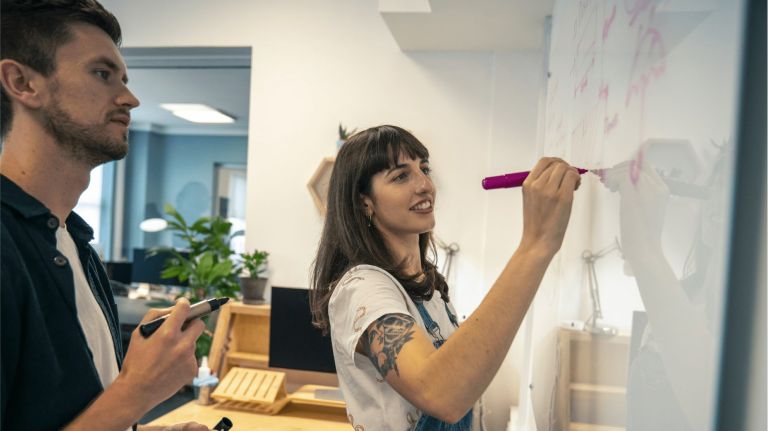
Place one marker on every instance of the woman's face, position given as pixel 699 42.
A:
pixel 402 199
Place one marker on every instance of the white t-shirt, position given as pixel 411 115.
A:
pixel 364 294
pixel 92 319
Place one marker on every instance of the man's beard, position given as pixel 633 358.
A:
pixel 87 143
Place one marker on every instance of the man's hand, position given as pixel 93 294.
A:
pixel 156 367
pixel 153 370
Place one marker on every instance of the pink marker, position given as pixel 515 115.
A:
pixel 515 179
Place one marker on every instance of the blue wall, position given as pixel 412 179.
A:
pixel 175 169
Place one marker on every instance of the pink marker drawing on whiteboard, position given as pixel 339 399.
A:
pixel 608 22
pixel 603 94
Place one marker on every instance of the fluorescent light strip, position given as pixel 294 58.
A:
pixel 213 117
pixel 197 113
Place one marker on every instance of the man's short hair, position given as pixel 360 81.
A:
pixel 31 31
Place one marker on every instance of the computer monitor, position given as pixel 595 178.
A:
pixel 293 342
pixel 119 271
pixel 147 268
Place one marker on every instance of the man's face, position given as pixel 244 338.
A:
pixel 88 108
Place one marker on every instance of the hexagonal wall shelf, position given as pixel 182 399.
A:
pixel 318 184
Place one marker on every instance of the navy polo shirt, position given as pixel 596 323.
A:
pixel 47 375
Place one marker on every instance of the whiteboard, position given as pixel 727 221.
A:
pixel 645 93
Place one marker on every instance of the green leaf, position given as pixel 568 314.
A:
pixel 200 224
pixel 220 227
pixel 206 262
pixel 170 210
pixel 174 225
pixel 221 269
pixel 171 272
pixel 203 345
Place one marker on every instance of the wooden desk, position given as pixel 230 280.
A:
pixel 242 340
pixel 292 417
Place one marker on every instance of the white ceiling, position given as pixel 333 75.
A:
pixel 466 25
pixel 217 77
pixel 223 89
pixel 220 77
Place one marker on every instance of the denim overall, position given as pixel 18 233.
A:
pixel 426 422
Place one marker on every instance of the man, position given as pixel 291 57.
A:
pixel 66 110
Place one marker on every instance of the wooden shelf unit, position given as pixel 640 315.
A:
pixel 247 360
pixel 592 384
pixel 241 338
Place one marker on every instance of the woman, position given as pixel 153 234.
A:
pixel 386 306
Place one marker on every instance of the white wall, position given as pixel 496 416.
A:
pixel 316 64
pixel 513 132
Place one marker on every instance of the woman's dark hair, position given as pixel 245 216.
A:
pixel 348 239
pixel 33 30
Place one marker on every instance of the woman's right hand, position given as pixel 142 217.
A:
pixel 547 201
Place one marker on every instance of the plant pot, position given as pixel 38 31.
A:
pixel 253 289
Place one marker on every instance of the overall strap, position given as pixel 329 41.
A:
pixel 451 316
pixel 432 327
pixel 427 422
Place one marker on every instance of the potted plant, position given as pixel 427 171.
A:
pixel 206 264
pixel 251 283
pixel 344 135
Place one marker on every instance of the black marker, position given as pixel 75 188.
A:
pixel 224 425
pixel 199 309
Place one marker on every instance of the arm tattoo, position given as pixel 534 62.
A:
pixel 385 338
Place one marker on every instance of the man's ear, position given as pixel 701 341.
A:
pixel 21 83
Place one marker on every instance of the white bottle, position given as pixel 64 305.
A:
pixel 203 372
pixel 204 382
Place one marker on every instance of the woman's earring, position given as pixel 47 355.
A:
pixel 370 220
